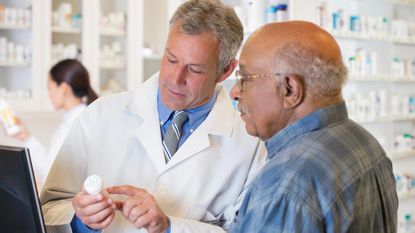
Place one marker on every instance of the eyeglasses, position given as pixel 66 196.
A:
pixel 241 78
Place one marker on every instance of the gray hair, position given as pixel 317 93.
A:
pixel 321 77
pixel 198 16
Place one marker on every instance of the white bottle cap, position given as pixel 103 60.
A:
pixel 93 184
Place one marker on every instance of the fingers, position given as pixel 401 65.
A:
pixel 118 205
pixel 97 218
pixel 137 202
pixel 96 208
pixel 95 211
pixel 140 208
pixel 143 211
pixel 105 223
pixel 81 199
pixel 126 190
pixel 137 213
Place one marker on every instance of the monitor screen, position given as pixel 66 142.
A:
pixel 19 203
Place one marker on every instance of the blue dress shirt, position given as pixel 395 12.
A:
pixel 325 174
pixel 196 117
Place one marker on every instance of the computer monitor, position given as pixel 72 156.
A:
pixel 20 209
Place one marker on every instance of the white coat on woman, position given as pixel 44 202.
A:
pixel 42 157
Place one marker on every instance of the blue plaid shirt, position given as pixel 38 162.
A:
pixel 325 174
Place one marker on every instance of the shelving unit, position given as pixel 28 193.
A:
pixel 406 196
pixel 382 78
pixel 368 37
pixel 377 84
pixel 113 62
pixel 66 30
pixel 13 64
pixel 402 154
pixel 13 27
pixel 24 83
pixel 154 40
pixel 66 25
pixel 18 84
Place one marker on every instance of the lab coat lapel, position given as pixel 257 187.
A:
pixel 219 122
pixel 143 104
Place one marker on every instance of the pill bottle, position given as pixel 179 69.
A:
pixel 93 185
pixel 8 117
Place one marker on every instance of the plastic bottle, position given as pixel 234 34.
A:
pixel 8 118
pixel 282 12
pixel 271 14
pixel 93 185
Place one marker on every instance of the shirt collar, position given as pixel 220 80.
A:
pixel 195 114
pixel 313 121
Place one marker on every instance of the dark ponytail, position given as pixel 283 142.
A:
pixel 73 73
pixel 91 96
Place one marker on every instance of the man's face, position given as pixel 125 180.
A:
pixel 260 100
pixel 188 73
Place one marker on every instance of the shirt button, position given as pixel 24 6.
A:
pixel 162 189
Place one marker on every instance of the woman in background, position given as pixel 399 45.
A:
pixel 70 91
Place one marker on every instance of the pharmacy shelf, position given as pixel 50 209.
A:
pixel 386 119
pixel 111 32
pixel 406 195
pixel 112 66
pixel 381 38
pixel 404 2
pixel 13 64
pixel 153 57
pixel 14 27
pixel 66 30
pixel 381 78
pixel 395 155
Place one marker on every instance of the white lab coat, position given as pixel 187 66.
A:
pixel 41 157
pixel 118 137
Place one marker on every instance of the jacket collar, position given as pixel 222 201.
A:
pixel 143 105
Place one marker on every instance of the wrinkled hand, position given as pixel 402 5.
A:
pixel 141 209
pixel 95 211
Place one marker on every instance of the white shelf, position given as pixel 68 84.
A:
pixel 402 154
pixel 404 2
pixel 406 195
pixel 381 78
pixel 382 38
pixel 386 119
pixel 111 32
pixel 13 64
pixel 66 30
pixel 111 66
pixel 14 27
pixel 153 57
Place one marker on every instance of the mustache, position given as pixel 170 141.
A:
pixel 242 109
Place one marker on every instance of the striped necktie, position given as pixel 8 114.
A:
pixel 173 133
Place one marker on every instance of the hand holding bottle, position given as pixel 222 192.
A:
pixel 92 204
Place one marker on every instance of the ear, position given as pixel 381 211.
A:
pixel 64 88
pixel 294 91
pixel 228 70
